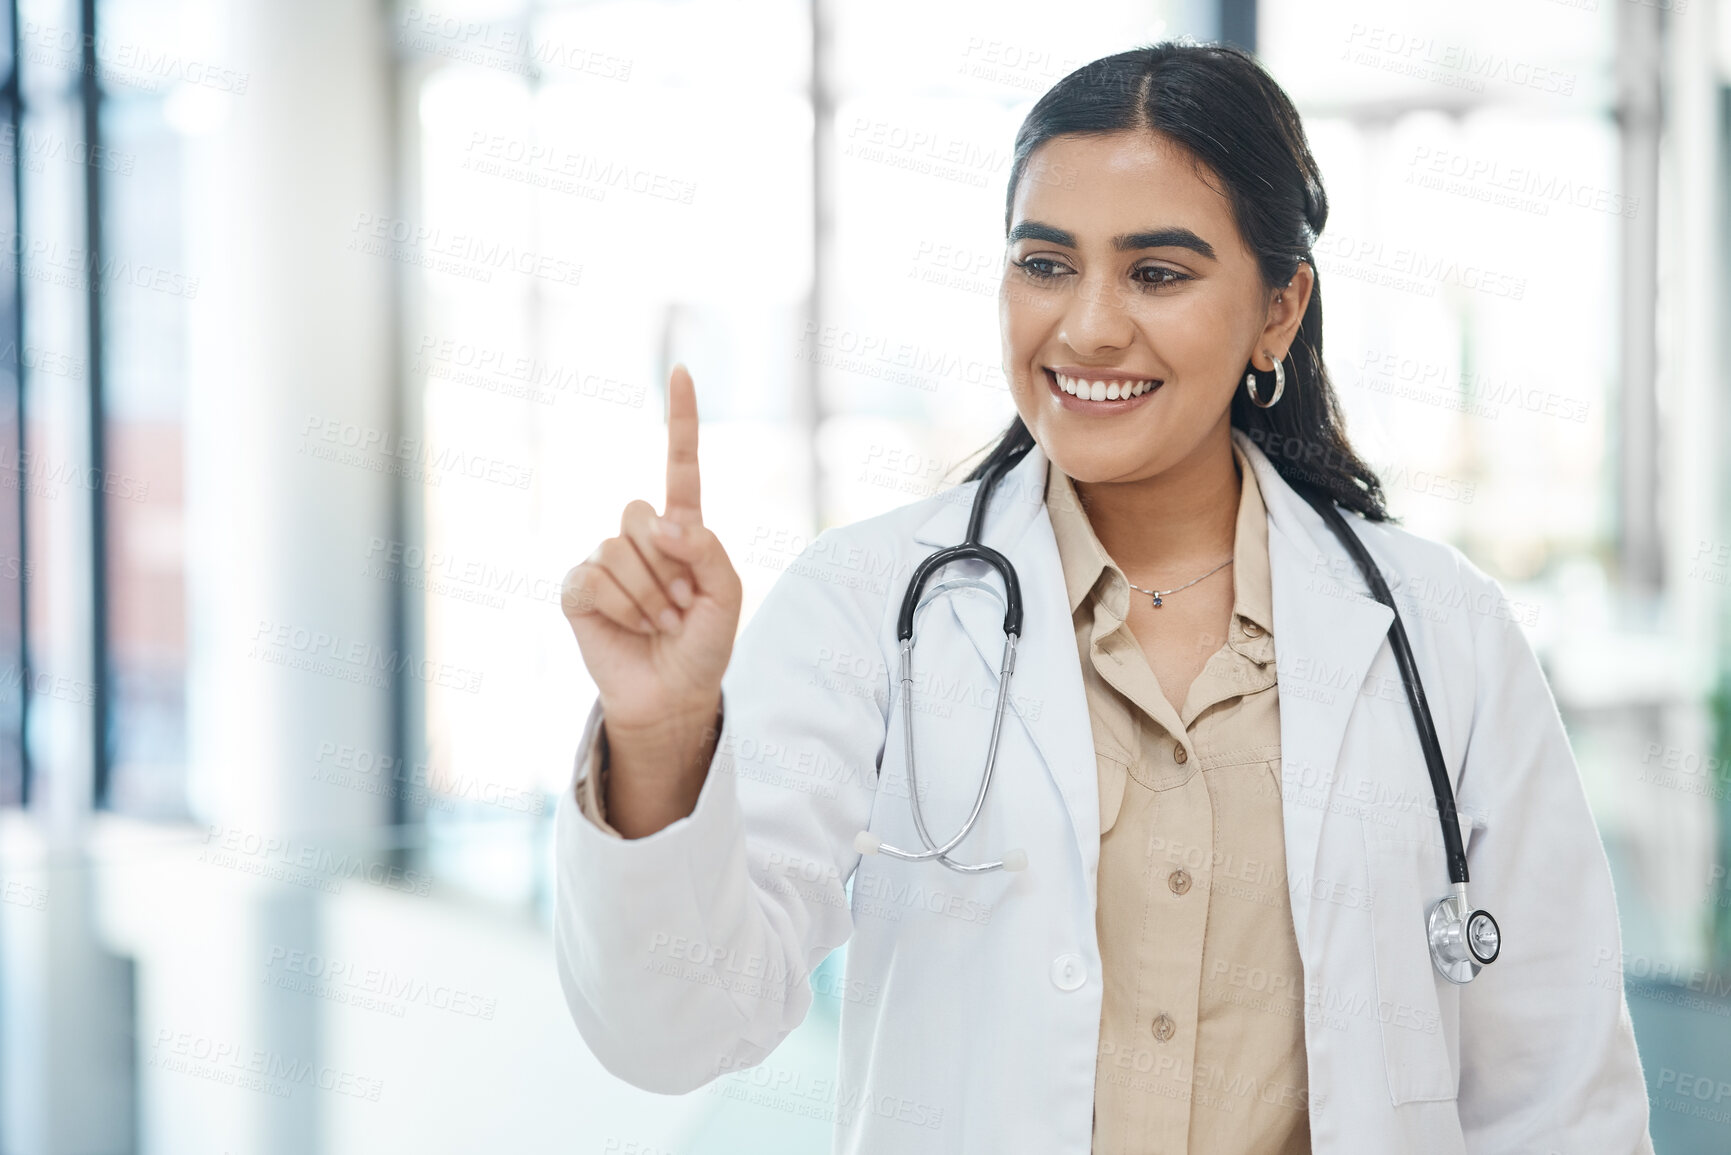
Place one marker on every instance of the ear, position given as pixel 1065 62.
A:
pixel 1286 306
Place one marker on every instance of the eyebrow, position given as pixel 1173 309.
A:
pixel 1172 236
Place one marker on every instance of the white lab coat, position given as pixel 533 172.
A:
pixel 971 1007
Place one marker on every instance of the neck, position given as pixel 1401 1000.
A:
pixel 1183 518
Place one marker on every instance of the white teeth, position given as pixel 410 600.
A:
pixel 1102 390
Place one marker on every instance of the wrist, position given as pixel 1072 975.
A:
pixel 668 744
pixel 653 775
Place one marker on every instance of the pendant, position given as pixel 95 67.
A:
pixel 1157 601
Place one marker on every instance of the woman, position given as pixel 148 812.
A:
pixel 1209 764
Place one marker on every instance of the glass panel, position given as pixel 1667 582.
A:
pixel 15 360
pixel 50 48
pixel 55 464
pixel 145 314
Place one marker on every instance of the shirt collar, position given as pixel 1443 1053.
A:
pixel 1086 563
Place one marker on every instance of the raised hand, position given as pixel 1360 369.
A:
pixel 655 610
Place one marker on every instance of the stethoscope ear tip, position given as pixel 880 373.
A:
pixel 1015 860
pixel 866 842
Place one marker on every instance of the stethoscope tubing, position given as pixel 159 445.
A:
pixel 1453 850
pixel 933 850
pixel 972 549
pixel 1462 940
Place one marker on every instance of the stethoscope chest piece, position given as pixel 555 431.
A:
pixel 1463 941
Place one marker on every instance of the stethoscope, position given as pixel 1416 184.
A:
pixel 1462 940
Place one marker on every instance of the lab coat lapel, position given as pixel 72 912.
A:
pixel 1327 631
pixel 1047 695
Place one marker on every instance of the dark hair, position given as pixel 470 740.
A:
pixel 1219 104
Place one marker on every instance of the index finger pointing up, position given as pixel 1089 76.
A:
pixel 683 490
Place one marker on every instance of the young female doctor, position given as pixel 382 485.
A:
pixel 1156 867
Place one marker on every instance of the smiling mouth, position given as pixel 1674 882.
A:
pixel 1081 390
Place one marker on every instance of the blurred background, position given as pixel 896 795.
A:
pixel 332 333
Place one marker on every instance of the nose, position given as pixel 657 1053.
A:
pixel 1095 320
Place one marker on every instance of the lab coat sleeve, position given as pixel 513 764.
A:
pixel 1548 1058
pixel 687 953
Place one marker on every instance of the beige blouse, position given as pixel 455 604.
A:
pixel 1202 1028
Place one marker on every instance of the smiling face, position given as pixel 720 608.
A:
pixel 1134 278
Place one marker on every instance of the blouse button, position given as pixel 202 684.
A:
pixel 1252 630
pixel 1179 881
pixel 1178 754
pixel 1164 1027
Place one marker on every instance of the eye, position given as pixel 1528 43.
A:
pixel 1166 276
pixel 1039 268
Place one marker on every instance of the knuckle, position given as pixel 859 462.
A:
pixel 577 595
pixel 649 596
pixel 651 551
pixel 575 589
pixel 613 552
pixel 618 606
